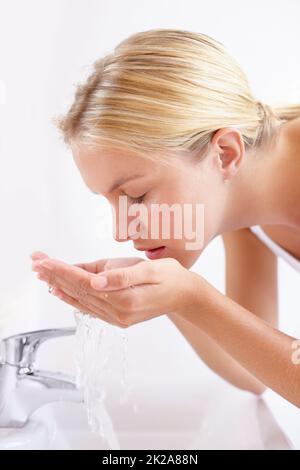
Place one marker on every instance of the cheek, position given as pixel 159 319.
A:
pixel 194 225
pixel 188 258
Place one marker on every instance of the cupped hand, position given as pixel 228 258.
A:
pixel 137 290
pixel 67 290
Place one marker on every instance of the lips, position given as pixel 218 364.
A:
pixel 152 253
pixel 156 252
pixel 147 248
pixel 154 249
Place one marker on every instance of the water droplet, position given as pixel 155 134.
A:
pixel 91 357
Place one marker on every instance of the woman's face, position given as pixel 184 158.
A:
pixel 192 187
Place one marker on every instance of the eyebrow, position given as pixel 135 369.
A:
pixel 122 180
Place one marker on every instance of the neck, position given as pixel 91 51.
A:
pixel 261 191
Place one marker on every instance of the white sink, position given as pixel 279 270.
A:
pixel 172 414
pixel 32 436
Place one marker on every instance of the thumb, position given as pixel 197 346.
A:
pixel 121 278
pixel 38 255
pixel 94 266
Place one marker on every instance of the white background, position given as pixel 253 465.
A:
pixel 46 47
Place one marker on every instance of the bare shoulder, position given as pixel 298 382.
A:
pixel 242 236
pixel 245 244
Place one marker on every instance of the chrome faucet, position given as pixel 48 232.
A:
pixel 23 388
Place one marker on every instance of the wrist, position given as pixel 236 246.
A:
pixel 194 295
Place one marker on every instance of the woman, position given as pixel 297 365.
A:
pixel 169 117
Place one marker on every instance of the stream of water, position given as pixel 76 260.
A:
pixel 93 344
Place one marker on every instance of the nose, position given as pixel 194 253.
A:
pixel 119 224
pixel 121 232
pixel 119 237
pixel 127 227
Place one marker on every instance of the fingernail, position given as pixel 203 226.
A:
pixel 35 255
pixel 46 263
pixel 56 292
pixel 36 265
pixel 99 282
pixel 42 277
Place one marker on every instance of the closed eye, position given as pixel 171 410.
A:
pixel 137 200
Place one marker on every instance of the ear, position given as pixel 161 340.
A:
pixel 229 149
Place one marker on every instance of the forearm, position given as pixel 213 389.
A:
pixel 215 357
pixel 265 352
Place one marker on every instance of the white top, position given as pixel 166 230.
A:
pixel 278 250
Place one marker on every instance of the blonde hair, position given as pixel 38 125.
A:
pixel 168 89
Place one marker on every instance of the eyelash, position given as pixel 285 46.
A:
pixel 138 200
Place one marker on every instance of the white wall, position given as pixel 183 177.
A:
pixel 45 48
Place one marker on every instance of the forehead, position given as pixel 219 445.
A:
pixel 106 158
pixel 100 167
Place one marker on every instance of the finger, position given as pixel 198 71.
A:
pixel 73 276
pixel 83 308
pixel 98 266
pixel 111 305
pixel 122 278
pixel 114 263
pixel 38 255
pixel 94 266
pixel 75 281
pixel 84 299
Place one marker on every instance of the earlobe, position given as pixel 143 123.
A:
pixel 225 164
pixel 230 147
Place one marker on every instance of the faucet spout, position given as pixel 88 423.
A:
pixel 23 388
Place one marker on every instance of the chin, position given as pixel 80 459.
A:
pixel 186 258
